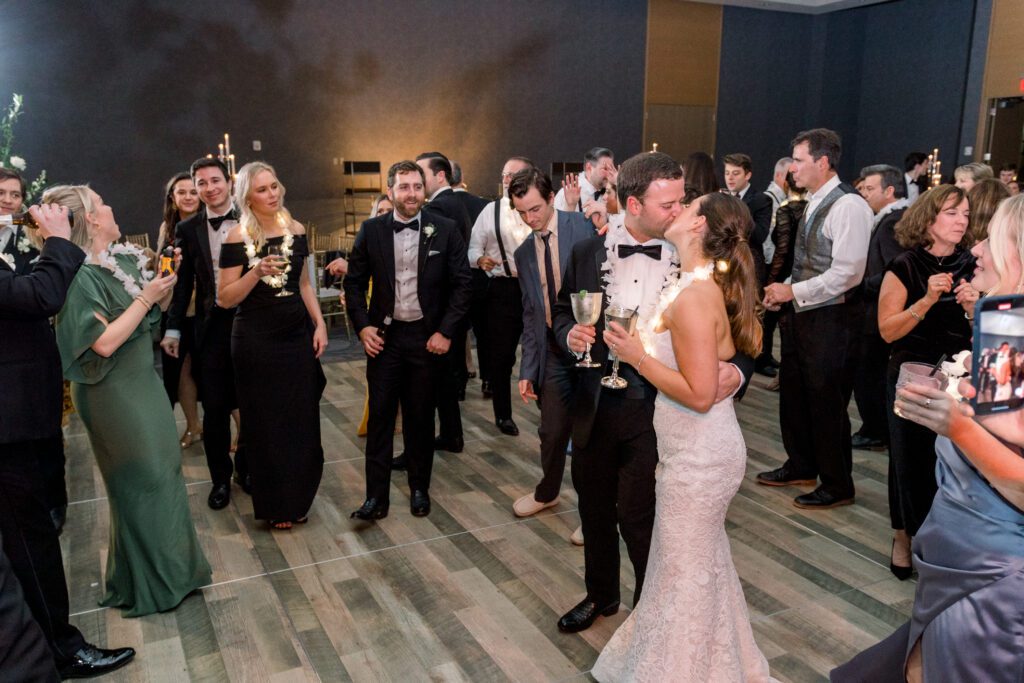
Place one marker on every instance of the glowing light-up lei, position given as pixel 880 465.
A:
pixel 105 259
pixel 668 295
pixel 617 235
pixel 277 281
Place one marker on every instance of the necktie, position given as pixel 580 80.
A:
pixel 412 225
pixel 549 273
pixel 651 250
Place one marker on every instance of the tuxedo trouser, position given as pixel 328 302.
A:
pixel 478 320
pixel 216 376
pixel 451 381
pixel 24 655
pixel 405 373
pixel 614 479
pixel 869 385
pixel 504 328
pixel 51 463
pixel 555 401
pixel 769 323
pixel 31 545
pixel 820 350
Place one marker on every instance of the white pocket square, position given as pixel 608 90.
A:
pixel 432 253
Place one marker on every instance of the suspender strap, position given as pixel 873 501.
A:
pixel 497 232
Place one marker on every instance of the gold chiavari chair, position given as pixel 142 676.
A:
pixel 140 240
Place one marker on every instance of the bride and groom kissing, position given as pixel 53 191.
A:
pixel 661 460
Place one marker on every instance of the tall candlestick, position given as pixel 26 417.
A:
pixel 220 151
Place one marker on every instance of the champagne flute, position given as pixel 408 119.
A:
pixel 586 308
pixel 276 251
pixel 626 317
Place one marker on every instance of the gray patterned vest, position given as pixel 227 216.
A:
pixel 812 254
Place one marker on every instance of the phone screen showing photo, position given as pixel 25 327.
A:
pixel 997 370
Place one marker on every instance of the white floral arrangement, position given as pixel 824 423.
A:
pixel 956 370
pixel 7 158
pixel 276 281
pixel 105 259
pixel 429 230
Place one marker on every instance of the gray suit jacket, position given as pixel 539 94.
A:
pixel 572 228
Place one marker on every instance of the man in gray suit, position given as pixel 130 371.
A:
pixel 545 373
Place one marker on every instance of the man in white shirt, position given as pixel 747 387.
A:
pixel 823 327
pixel 591 190
pixel 497 233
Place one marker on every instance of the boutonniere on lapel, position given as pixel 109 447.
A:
pixel 24 245
pixel 428 231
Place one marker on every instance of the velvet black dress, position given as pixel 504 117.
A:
pixel 279 382
pixel 944 330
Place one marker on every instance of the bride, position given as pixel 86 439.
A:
pixel 691 623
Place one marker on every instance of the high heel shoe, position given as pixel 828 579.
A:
pixel 189 438
pixel 901 573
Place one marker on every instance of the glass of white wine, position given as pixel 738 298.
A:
pixel 276 251
pixel 586 308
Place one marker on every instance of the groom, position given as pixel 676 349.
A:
pixel 614 444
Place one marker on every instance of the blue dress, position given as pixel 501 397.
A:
pixel 969 607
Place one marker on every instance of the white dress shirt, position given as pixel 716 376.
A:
pixel 848 225
pixel 912 189
pixel 538 250
pixel 6 235
pixel 587 191
pixel 484 242
pixel 407 252
pixel 217 238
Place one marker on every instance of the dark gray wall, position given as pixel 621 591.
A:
pixel 890 78
pixel 124 94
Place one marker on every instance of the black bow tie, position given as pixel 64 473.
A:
pixel 412 225
pixel 599 193
pixel 652 250
pixel 215 221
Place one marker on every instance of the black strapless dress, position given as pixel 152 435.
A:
pixel 279 382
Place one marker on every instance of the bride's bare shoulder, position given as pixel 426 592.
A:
pixel 699 297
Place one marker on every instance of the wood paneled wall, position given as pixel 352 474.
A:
pixel 1004 66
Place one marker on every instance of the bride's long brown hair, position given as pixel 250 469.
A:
pixel 725 240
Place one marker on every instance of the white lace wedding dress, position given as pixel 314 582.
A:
pixel 691 624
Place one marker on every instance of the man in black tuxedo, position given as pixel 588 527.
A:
pixel 421 294
pixel 614 444
pixel 442 201
pixel 200 239
pixel 884 190
pixel 30 419
pixel 18 250
pixel 472 203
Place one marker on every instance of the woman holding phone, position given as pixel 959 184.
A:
pixel 923 306
pixel 969 552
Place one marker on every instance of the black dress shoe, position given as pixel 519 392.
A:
pixel 219 497
pixel 782 476
pixel 451 445
pixel 582 616
pixel 419 505
pixel 867 443
pixel 372 509
pixel 485 388
pixel 59 515
pixel 462 394
pixel 507 426
pixel 92 661
pixel 245 482
pixel 401 463
pixel 766 370
pixel 820 499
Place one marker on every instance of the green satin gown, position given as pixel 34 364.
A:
pixel 154 559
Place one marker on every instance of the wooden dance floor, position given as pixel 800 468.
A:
pixel 469 593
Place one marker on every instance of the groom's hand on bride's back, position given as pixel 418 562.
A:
pixel 581 335
pixel 729 380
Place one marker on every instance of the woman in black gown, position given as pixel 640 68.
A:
pixel 277 339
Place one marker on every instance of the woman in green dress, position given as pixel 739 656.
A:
pixel 105 333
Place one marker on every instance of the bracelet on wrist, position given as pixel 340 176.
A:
pixel 144 301
pixel 641 362
pixel 915 314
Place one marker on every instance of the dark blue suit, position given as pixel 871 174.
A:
pixel 543 362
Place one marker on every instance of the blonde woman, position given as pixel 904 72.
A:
pixel 276 342
pixel 969 175
pixel 105 333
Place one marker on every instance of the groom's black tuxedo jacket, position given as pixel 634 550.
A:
pixel 584 272
pixel 30 370
pixel 195 270
pixel 442 277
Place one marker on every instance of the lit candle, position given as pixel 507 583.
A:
pixel 654 147
pixel 220 151
pixel 227 144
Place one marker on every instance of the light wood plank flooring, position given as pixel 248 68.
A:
pixel 469 593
